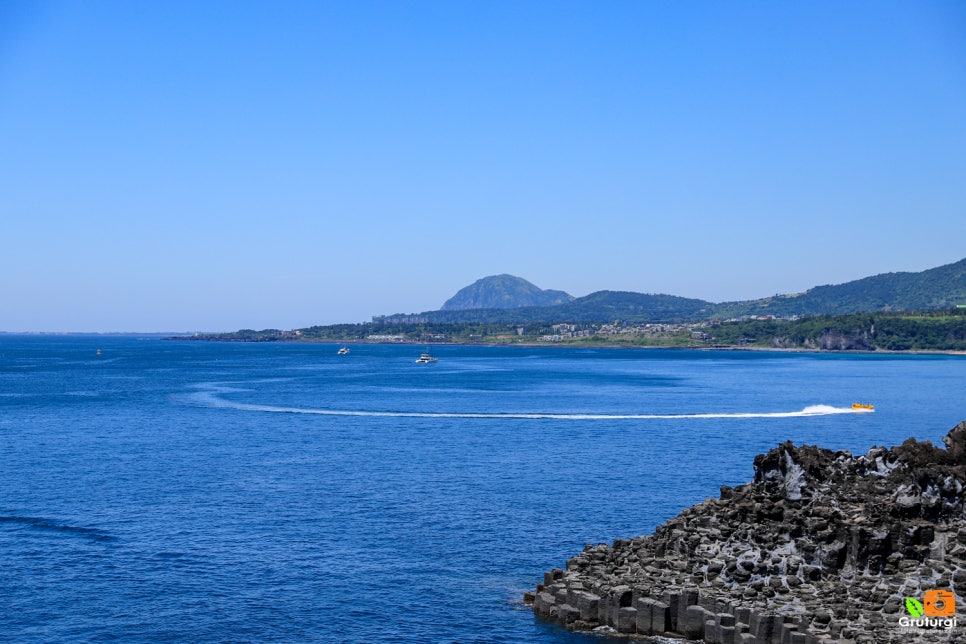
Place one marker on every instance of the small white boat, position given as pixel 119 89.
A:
pixel 425 358
pixel 344 351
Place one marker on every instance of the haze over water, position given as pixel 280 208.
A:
pixel 154 492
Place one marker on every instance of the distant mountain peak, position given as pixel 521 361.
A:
pixel 509 299
pixel 503 292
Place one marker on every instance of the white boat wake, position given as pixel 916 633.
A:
pixel 210 399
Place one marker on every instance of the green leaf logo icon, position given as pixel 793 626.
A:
pixel 914 606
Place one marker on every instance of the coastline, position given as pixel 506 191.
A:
pixel 587 345
pixel 821 546
pixel 915 332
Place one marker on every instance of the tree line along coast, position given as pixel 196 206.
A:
pixel 933 330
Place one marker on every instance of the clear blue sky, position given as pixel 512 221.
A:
pixel 220 165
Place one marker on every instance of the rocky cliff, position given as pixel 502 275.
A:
pixel 820 546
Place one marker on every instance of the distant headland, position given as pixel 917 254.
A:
pixel 923 311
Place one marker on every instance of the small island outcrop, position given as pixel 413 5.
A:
pixel 821 546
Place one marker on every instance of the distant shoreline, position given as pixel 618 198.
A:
pixel 942 332
pixel 578 345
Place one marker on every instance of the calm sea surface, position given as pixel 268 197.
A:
pixel 168 491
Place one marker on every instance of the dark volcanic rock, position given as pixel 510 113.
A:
pixel 820 546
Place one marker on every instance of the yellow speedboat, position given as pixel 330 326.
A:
pixel 858 406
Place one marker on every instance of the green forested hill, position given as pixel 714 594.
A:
pixel 500 301
pixel 607 306
pixel 503 292
pixel 602 306
pixel 936 288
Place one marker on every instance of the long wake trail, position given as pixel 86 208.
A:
pixel 209 399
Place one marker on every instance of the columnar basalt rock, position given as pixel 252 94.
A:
pixel 820 546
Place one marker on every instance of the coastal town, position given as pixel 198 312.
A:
pixel 937 330
pixel 570 331
pixel 698 331
pixel 564 332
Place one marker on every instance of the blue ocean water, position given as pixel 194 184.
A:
pixel 169 490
